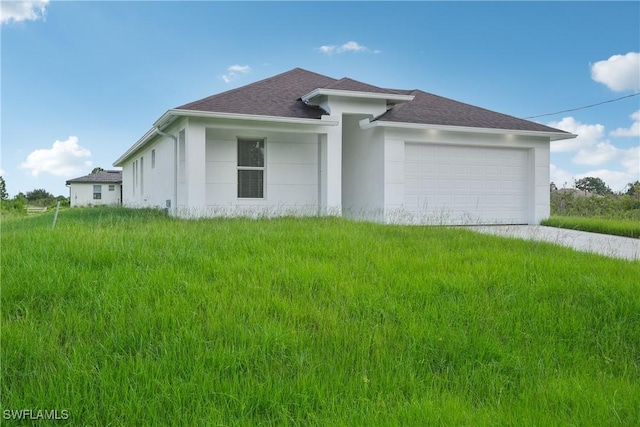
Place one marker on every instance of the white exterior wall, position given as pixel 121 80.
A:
pixel 81 194
pixel 154 185
pixel 363 174
pixel 538 148
pixel 351 180
pixel 291 173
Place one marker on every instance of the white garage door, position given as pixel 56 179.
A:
pixel 466 185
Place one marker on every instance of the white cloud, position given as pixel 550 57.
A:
pixel 601 153
pixel 561 178
pixel 633 130
pixel 64 158
pixel 234 71
pixel 591 148
pixel 349 46
pixel 619 72
pixel 588 135
pixel 18 11
pixel 2 172
pixel 631 161
pixel 327 49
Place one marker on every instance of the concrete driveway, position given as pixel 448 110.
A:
pixel 604 244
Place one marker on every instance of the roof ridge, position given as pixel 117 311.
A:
pixel 244 87
pixel 358 82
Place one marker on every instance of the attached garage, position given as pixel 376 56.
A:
pixel 461 184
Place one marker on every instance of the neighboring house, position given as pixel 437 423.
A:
pixel 101 188
pixel 301 143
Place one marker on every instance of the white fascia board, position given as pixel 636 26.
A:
pixel 554 136
pixel 142 141
pixel 356 94
pixel 166 119
pixel 168 116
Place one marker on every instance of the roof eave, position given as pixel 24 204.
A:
pixel 145 138
pixel 323 121
pixel 167 118
pixel 355 94
pixel 553 136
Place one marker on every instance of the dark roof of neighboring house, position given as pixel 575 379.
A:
pixel 280 96
pixel 102 177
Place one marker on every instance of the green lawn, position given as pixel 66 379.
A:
pixel 617 227
pixel 126 317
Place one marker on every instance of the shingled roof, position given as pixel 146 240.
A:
pixel 430 109
pixel 276 96
pixel 102 177
pixel 279 96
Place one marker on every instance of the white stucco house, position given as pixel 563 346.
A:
pixel 306 144
pixel 96 189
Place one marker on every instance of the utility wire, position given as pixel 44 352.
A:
pixel 582 108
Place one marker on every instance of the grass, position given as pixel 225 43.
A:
pixel 127 317
pixel 617 227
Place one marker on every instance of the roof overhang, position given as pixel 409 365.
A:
pixel 167 118
pixel 391 98
pixel 553 136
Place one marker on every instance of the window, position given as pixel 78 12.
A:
pixel 141 175
pixel 153 158
pixel 134 168
pixel 112 187
pixel 251 168
pixel 97 192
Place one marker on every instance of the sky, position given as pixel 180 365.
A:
pixel 82 81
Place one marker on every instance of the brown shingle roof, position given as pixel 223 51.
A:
pixel 427 108
pixel 280 96
pixel 103 177
pixel 356 86
pixel 276 96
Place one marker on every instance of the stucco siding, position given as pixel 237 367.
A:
pixel 290 173
pixel 81 194
pixel 363 171
pixel 148 177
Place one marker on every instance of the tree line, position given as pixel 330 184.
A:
pixel 38 197
pixel 592 197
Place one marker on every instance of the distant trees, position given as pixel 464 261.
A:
pixel 633 189
pixel 593 185
pixel 38 194
pixel 96 170
pixel 603 202
pixel 37 197
pixel 3 189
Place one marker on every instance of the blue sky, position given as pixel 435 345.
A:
pixel 83 81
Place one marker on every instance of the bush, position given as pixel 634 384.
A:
pixel 612 206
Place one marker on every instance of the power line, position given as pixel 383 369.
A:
pixel 582 108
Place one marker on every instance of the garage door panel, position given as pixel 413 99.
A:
pixel 467 184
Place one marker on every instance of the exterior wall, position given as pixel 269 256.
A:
pixel 539 199
pixel 363 173
pixel 291 173
pixel 361 195
pixel 81 194
pixel 151 185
